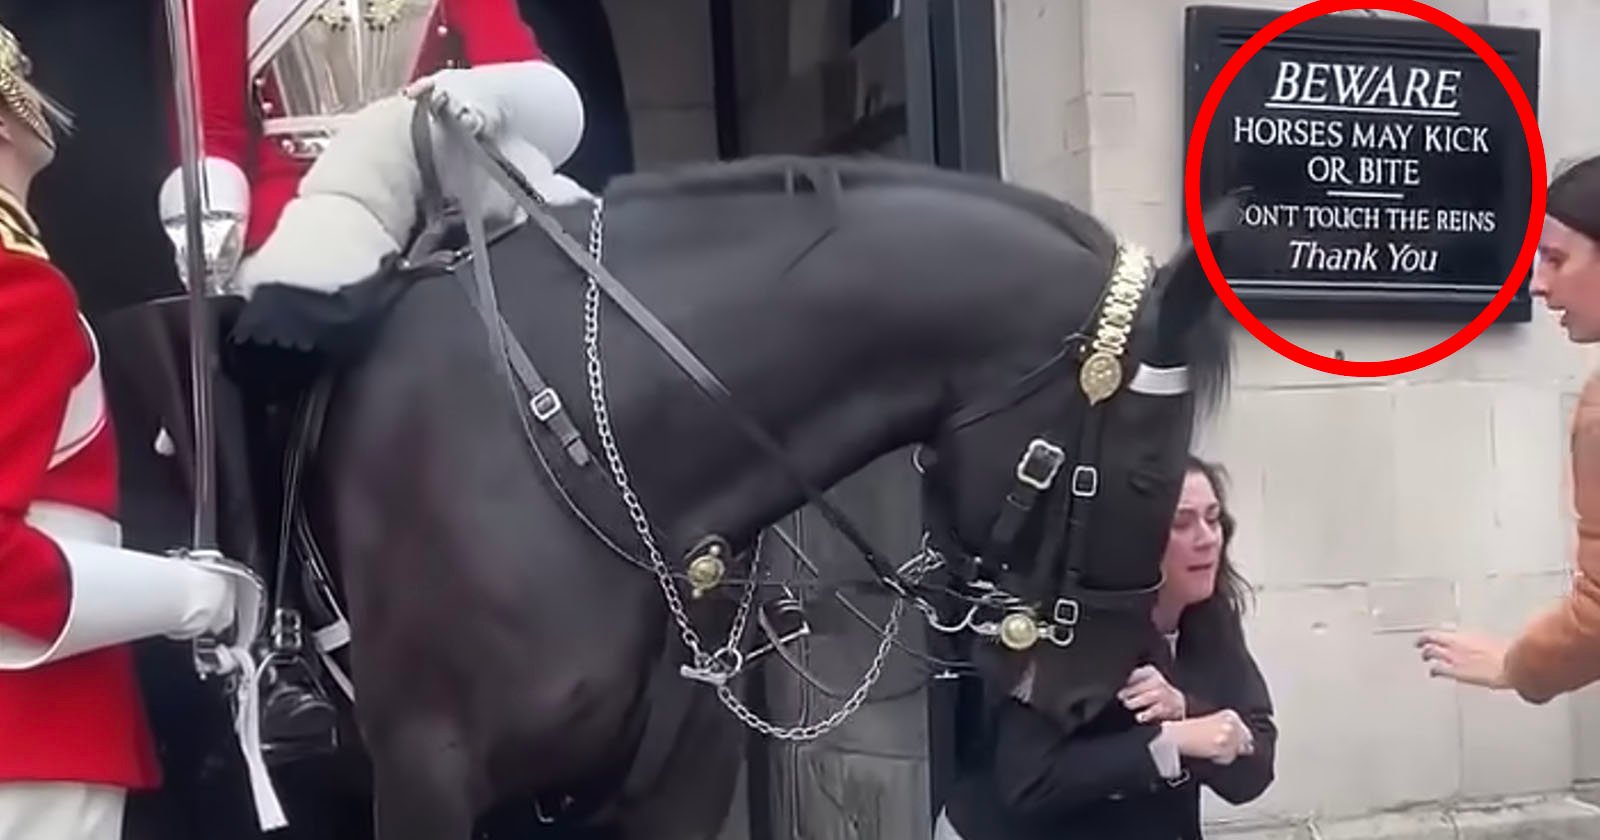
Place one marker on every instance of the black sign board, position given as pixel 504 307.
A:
pixel 1386 170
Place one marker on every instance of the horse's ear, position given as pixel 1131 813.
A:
pixel 1185 292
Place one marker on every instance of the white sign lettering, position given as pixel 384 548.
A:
pixel 1366 86
pixel 1370 133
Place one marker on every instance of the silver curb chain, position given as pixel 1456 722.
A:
pixel 726 663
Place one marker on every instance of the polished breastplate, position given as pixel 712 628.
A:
pixel 347 54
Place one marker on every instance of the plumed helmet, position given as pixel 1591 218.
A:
pixel 19 94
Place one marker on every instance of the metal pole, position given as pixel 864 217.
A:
pixel 194 264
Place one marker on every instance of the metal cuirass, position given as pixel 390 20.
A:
pixel 346 54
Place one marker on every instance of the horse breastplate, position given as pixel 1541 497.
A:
pixel 348 54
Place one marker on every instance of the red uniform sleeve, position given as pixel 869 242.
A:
pixel 223 77
pixel 492 31
pixel 45 354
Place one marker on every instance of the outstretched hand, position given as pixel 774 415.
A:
pixel 1468 658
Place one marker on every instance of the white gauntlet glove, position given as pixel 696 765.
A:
pixel 121 596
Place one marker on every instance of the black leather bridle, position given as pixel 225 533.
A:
pixel 1056 480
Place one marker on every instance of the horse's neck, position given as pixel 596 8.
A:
pixel 855 363
pixel 818 396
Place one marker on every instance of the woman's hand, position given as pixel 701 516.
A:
pixel 1465 657
pixel 1150 697
pixel 1220 737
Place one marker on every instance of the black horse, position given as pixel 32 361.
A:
pixel 851 308
pixel 505 655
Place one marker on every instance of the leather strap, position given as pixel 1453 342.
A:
pixel 529 199
pixel 439 214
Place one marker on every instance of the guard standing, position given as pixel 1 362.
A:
pixel 72 725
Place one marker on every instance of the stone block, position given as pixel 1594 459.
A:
pixel 1323 662
pixel 1113 122
pixel 1065 176
pixel 1564 818
pixel 1531 511
pixel 1419 825
pixel 1077 136
pixel 1131 215
pixel 1251 831
pixel 1509 747
pixel 1444 481
pixel 1524 353
pixel 1262 367
pixel 1113 64
pixel 1041 77
pixel 1585 705
pixel 1410 607
pixel 1329 513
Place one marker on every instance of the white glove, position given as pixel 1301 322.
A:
pixel 121 596
pixel 226 189
pixel 211 602
pixel 530 100
pixel 466 100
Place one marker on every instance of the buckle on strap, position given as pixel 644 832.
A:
pixel 545 404
pixel 1085 481
pixel 1040 464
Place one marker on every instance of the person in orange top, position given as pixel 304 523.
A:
pixel 73 733
pixel 1559 651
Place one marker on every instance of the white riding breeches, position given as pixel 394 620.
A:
pixel 60 811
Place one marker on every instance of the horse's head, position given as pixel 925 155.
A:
pixel 1058 489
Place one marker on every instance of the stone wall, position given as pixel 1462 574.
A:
pixel 1370 509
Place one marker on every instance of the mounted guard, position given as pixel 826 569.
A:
pixel 277 81
pixel 71 598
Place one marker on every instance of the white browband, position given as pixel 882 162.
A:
pixel 1160 382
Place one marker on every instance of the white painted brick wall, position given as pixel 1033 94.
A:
pixel 1369 508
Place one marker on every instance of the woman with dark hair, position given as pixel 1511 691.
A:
pixel 1198 713
pixel 1559 651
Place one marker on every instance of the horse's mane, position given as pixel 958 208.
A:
pixel 791 173
pixel 1209 352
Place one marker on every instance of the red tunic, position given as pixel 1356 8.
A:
pixel 80 719
pixel 487 32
